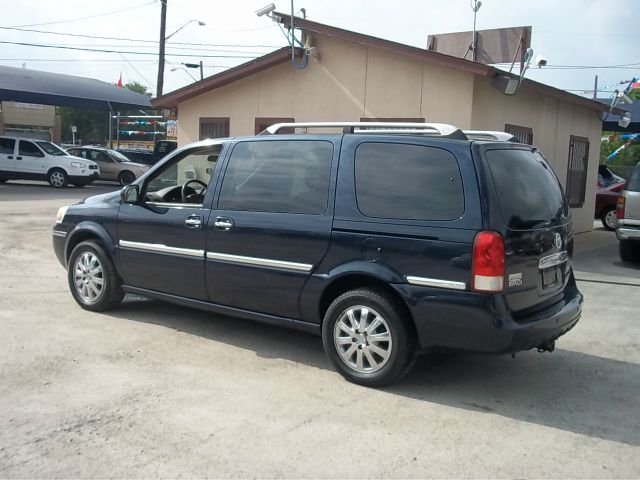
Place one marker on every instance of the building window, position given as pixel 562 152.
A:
pixel 577 170
pixel 214 127
pixel 523 134
pixel 263 122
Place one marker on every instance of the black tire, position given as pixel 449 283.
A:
pixel 611 211
pixel 400 349
pixel 126 177
pixel 110 294
pixel 629 250
pixel 57 178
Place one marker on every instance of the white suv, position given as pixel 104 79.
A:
pixel 31 159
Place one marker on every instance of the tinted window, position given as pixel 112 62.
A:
pixel 282 176
pixel 633 185
pixel 28 149
pixel 408 181
pixel 7 145
pixel 528 190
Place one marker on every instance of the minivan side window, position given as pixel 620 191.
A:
pixel 7 145
pixel 278 176
pixel 411 182
pixel 29 149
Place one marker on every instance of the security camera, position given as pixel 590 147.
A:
pixel 266 10
pixel 624 98
pixel 541 61
pixel 625 120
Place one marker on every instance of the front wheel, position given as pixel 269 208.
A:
pixel 93 279
pixel 367 337
pixel 126 177
pixel 57 178
pixel 608 218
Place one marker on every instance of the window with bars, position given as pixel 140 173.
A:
pixel 263 122
pixel 214 127
pixel 577 170
pixel 523 134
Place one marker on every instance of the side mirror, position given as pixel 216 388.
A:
pixel 130 194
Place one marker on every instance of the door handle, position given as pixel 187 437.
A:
pixel 223 223
pixel 18 158
pixel 10 157
pixel 193 221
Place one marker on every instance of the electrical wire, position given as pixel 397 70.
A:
pixel 86 18
pixel 128 52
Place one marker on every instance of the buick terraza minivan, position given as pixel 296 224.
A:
pixel 385 239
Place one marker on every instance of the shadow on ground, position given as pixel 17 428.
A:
pixel 567 390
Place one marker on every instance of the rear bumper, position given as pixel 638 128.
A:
pixel 626 233
pixel 472 322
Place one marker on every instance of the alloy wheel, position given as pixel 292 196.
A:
pixel 363 339
pixel 88 277
pixel 57 179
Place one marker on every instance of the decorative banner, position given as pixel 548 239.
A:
pixel 140 132
pixel 630 137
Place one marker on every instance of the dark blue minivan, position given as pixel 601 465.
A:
pixel 386 239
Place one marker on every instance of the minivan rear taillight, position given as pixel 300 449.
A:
pixel 487 269
pixel 620 208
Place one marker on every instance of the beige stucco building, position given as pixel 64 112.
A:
pixel 29 120
pixel 356 77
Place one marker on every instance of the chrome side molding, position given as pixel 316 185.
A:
pixel 160 248
pixel 436 282
pixel 260 262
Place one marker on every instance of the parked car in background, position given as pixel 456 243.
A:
pixel 606 203
pixel 384 244
pixel 113 165
pixel 606 177
pixel 33 159
pixel 628 213
pixel 161 148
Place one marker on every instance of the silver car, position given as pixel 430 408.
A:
pixel 628 213
pixel 113 165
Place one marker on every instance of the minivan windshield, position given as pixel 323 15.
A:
pixel 51 148
pixel 633 185
pixel 529 194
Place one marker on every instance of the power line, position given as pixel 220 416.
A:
pixel 95 60
pixel 154 42
pixel 128 52
pixel 86 18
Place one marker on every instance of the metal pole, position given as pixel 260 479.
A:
pixel 163 26
pixel 110 129
pixel 201 71
pixel 118 130
pixel 595 87
pixel 473 39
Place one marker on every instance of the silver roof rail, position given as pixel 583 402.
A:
pixel 490 135
pixel 442 129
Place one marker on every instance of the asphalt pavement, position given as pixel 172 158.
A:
pixel 156 390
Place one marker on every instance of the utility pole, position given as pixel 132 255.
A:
pixel 163 26
pixel 201 71
pixel 595 87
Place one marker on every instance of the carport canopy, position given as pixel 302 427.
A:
pixel 35 86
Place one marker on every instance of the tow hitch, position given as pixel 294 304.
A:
pixel 547 347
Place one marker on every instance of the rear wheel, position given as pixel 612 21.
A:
pixel 126 177
pixel 57 178
pixel 608 218
pixel 93 279
pixel 629 250
pixel 367 338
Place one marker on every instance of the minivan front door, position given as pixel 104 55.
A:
pixel 7 156
pixel 161 240
pixel 30 159
pixel 272 224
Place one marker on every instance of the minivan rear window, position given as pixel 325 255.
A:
pixel 633 185
pixel 410 182
pixel 529 194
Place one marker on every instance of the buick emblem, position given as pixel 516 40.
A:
pixel 557 239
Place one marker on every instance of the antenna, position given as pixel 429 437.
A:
pixel 475 6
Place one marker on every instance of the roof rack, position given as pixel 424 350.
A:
pixel 490 135
pixel 440 129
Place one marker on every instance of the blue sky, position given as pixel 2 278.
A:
pixel 567 33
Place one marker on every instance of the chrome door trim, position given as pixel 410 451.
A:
pixel 553 260
pixel 59 233
pixel 160 248
pixel 260 262
pixel 436 282
pixel 174 205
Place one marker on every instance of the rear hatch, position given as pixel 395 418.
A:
pixel 527 206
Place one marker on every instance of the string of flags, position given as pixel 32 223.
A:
pixel 141 122
pixel 628 138
pixel 141 132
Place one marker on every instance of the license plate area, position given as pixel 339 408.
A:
pixel 551 276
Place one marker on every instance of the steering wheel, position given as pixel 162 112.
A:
pixel 183 192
